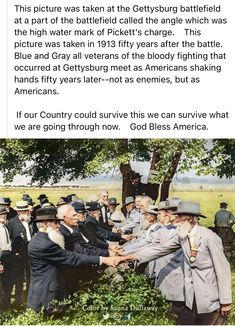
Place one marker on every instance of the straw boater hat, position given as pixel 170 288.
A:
pixel 4 201
pixel 189 208
pixel 46 214
pixel 22 205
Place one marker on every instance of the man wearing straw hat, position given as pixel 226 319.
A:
pixel 207 275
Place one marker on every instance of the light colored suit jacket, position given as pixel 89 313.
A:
pixel 168 270
pixel 208 279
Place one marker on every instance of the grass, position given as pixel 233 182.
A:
pixel 209 201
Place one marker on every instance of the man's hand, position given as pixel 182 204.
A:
pixel 128 237
pixel 114 261
pixel 112 253
pixel 115 247
pixel 225 309
pixel 1 268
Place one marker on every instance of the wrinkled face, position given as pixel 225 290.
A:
pixel 138 202
pixel 70 218
pixel 104 197
pixel 149 218
pixel 112 208
pixel 81 216
pixel 144 203
pixel 161 216
pixel 24 215
pixel 130 207
pixel 3 218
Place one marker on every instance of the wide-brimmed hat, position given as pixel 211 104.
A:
pixel 92 206
pixel 223 204
pixel 40 197
pixel 113 201
pixel 79 206
pixel 27 198
pixel 72 198
pixel 7 200
pixel 3 210
pixel 46 214
pixel 150 211
pixel 162 205
pixel 129 200
pixel 171 203
pixel 62 201
pixel 189 208
pixel 22 205
pixel 134 175
pixel 4 201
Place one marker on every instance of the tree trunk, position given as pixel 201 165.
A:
pixel 125 169
pixel 170 174
pixel 153 188
pixel 126 185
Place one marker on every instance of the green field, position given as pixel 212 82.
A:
pixel 209 201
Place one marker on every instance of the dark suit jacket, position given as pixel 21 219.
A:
pixel 11 214
pixel 75 242
pixel 93 241
pixel 18 236
pixel 46 258
pixel 97 231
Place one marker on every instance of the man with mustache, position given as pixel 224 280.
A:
pixel 207 275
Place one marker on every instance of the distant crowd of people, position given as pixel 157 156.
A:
pixel 50 248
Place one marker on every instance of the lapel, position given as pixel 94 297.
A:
pixel 186 246
pixel 198 237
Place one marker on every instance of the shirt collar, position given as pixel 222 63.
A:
pixel 193 231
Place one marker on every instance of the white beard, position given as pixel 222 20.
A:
pixel 184 229
pixel 56 237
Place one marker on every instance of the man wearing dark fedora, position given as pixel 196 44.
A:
pixel 95 230
pixel 84 234
pixel 6 202
pixel 137 187
pixel 20 233
pixel 207 275
pixel 47 256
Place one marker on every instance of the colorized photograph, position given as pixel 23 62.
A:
pixel 117 231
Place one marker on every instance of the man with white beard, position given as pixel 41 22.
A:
pixel 207 272
pixel 47 256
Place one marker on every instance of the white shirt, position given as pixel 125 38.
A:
pixel 192 235
pixel 5 242
pixel 26 226
pixel 67 227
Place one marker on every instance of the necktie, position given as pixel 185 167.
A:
pixel 170 227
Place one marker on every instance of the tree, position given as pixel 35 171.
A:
pixel 50 160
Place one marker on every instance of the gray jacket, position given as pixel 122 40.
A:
pixel 208 279
pixel 168 270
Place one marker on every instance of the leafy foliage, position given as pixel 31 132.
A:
pixel 134 301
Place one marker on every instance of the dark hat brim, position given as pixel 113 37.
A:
pixel 189 213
